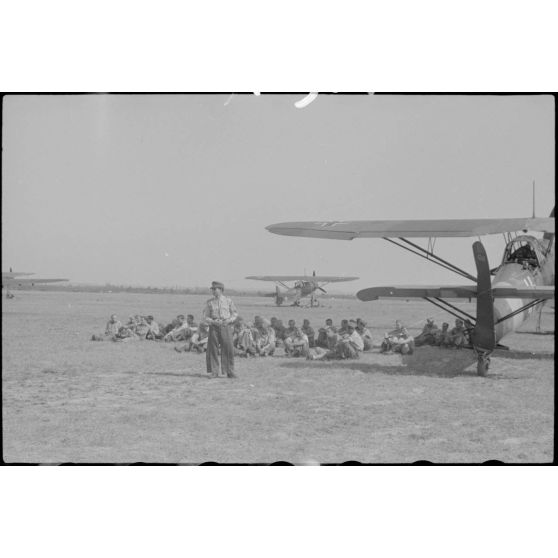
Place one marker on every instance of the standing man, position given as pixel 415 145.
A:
pixel 220 313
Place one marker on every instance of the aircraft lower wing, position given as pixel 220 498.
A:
pixel 312 278
pixel 450 291
pixel 433 228
pixel 20 282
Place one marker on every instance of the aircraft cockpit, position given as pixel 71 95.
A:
pixel 522 251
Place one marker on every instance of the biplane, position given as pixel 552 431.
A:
pixel 304 286
pixel 506 295
pixel 12 279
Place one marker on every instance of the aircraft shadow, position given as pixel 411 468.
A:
pixel 372 368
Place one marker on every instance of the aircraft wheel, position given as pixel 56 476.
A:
pixel 482 365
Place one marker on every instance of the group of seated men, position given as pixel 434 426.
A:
pixel 399 340
pixel 146 328
pixel 457 337
pixel 262 337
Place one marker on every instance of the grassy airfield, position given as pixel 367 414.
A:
pixel 68 399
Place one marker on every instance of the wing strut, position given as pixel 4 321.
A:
pixel 430 256
pixel 519 310
pixel 445 305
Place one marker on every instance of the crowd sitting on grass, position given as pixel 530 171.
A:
pixel 262 337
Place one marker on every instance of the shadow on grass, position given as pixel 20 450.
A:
pixel 522 355
pixel 179 374
pixel 373 368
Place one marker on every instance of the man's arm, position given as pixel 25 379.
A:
pixel 233 311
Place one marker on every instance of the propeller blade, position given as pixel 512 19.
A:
pixel 322 289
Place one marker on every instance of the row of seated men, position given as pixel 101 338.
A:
pixel 262 336
pixel 399 340
pixel 146 328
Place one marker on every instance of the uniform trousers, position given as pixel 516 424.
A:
pixel 220 336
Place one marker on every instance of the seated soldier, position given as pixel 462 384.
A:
pixel 154 331
pixel 198 341
pixel 176 323
pixel 280 332
pixel 343 328
pixel 177 332
pixel 427 336
pixel 458 335
pixel 243 340
pixel 296 345
pixel 441 336
pixel 322 340
pixel 398 340
pixel 291 329
pixel 265 344
pixel 364 332
pixel 142 328
pixel 348 346
pixel 111 329
pixel 309 331
pixel 125 334
pixel 113 325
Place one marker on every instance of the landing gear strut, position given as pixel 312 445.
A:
pixel 483 362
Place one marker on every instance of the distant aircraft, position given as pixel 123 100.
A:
pixel 303 286
pixel 12 279
pixel 523 280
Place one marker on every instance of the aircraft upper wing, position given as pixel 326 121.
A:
pixel 13 274
pixel 314 278
pixel 347 230
pixel 453 291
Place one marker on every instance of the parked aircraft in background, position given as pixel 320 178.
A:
pixel 12 279
pixel 523 280
pixel 303 286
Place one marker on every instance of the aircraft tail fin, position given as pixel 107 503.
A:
pixel 483 337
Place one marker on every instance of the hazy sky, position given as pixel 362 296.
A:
pixel 164 190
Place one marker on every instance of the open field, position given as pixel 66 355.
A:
pixel 68 399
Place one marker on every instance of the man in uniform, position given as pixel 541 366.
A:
pixel 458 335
pixel 199 340
pixel 113 326
pixel 154 332
pixel 265 344
pixel 243 340
pixel 280 332
pixel 398 340
pixel 441 337
pixel 428 334
pixel 309 331
pixel 348 346
pixel 324 333
pixel 364 332
pixel 220 313
pixel 296 345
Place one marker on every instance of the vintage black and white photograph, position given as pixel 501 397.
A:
pixel 259 278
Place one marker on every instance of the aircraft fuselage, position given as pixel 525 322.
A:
pixel 528 270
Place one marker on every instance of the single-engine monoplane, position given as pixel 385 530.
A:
pixel 304 286
pixel 12 279
pixel 505 295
